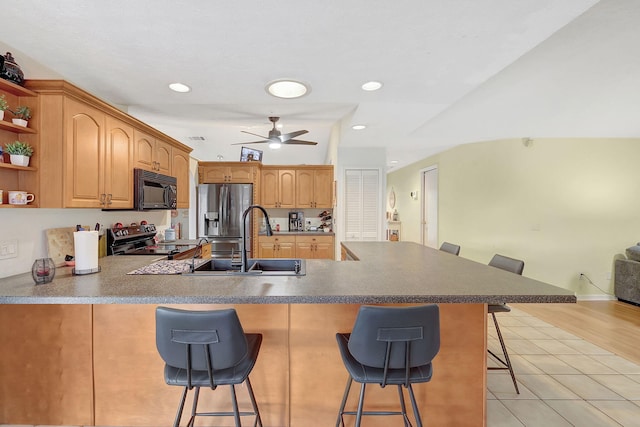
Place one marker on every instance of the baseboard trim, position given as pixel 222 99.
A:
pixel 599 297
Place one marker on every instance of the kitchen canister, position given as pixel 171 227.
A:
pixel 169 235
pixel 85 247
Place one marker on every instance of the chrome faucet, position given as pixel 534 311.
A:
pixel 243 267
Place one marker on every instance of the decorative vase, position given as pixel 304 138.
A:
pixel 11 70
pixel 43 270
pixel 19 160
pixel 20 122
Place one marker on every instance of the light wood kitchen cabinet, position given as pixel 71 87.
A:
pixel 221 172
pixel 315 247
pixel 118 165
pixel 99 158
pixel 278 188
pixel 90 148
pixel 276 246
pixel 152 154
pixel 314 187
pixel 180 169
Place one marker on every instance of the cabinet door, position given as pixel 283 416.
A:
pixel 269 188
pixel 241 174
pixel 304 249
pixel 213 175
pixel 323 188
pixel 304 188
pixel 180 169
pixel 162 157
pixel 118 168
pixel 84 155
pixel 324 248
pixel 287 188
pixel 144 147
pixel 287 250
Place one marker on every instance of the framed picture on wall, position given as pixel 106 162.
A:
pixel 250 155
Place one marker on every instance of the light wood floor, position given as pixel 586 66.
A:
pixel 612 325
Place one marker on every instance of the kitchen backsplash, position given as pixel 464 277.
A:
pixel 27 227
pixel 312 218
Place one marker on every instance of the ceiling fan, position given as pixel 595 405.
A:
pixel 275 138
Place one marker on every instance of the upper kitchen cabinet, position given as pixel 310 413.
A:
pixel 221 172
pixel 180 169
pixel 314 187
pixel 12 177
pixel 152 154
pixel 278 187
pixel 89 148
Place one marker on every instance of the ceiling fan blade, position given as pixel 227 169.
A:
pixel 298 142
pixel 254 142
pixel 288 136
pixel 254 134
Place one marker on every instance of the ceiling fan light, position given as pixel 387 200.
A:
pixel 179 87
pixel 371 86
pixel 274 145
pixel 287 89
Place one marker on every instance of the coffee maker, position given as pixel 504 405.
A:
pixel 296 221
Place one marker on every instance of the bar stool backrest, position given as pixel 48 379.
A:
pixel 381 335
pixel 505 263
pixel 204 340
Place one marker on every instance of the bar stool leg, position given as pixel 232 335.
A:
pixel 176 423
pixel 340 420
pixel 363 386
pixel 234 401
pixel 507 361
pixel 258 420
pixel 405 418
pixel 414 405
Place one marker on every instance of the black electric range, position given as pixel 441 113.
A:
pixel 140 240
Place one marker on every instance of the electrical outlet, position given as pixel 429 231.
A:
pixel 9 249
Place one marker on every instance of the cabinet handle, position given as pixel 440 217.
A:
pixel 103 198
pixel 109 196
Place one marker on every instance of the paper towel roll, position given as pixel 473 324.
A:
pixel 86 251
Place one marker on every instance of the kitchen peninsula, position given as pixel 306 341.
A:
pixel 84 345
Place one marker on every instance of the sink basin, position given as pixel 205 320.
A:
pixel 255 267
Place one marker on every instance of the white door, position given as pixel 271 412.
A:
pixel 429 215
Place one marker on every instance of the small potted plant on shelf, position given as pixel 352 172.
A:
pixel 23 114
pixel 4 105
pixel 20 153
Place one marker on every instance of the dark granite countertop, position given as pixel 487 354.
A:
pixel 388 272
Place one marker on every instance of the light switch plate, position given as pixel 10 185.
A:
pixel 8 249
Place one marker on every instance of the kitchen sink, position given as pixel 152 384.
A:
pixel 255 267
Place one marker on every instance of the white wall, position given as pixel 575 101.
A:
pixel 565 206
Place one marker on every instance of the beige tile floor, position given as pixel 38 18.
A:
pixel 563 380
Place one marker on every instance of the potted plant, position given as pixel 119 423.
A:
pixel 20 152
pixel 4 105
pixel 23 114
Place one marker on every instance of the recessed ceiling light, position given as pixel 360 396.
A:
pixel 274 145
pixel 372 85
pixel 287 89
pixel 179 87
pixel 358 127
pixel 393 162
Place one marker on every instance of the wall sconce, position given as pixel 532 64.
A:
pixel 414 195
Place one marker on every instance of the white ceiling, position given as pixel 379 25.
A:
pixel 454 71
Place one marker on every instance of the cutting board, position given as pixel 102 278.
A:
pixel 60 243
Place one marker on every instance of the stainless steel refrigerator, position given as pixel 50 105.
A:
pixel 220 208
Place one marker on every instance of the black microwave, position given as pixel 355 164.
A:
pixel 153 190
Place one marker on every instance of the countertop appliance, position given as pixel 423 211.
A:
pixel 219 218
pixel 140 240
pixel 296 221
pixel 153 190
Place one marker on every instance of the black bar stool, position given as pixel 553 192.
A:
pixel 514 266
pixel 207 349
pixel 390 345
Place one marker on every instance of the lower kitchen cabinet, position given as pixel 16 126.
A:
pixel 276 246
pixel 296 246
pixel 314 247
